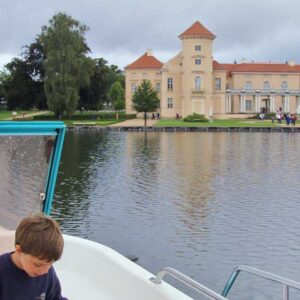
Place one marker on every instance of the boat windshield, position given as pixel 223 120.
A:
pixel 26 161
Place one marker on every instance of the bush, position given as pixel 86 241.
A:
pixel 268 116
pixel 89 116
pixel 195 118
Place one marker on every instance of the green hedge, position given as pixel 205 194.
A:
pixel 90 116
pixel 195 118
pixel 268 116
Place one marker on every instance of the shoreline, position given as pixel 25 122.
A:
pixel 182 129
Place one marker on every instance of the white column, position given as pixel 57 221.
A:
pixel 298 105
pixel 258 104
pixel 227 104
pixel 286 103
pixel 272 104
pixel 242 103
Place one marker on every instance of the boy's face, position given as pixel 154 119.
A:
pixel 34 266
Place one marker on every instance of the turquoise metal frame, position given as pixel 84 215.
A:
pixel 51 128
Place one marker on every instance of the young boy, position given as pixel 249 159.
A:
pixel 27 273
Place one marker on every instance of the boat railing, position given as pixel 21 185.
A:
pixel 188 281
pixel 286 283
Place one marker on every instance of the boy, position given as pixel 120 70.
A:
pixel 27 273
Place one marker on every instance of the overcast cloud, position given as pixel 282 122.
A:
pixel 121 31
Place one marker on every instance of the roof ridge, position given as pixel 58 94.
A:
pixel 197 29
pixel 145 61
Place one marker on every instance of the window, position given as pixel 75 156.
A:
pixel 197 61
pixel 217 84
pixel 197 83
pixel 170 102
pixel 157 86
pixel 248 105
pixel 197 48
pixel 284 85
pixel 248 85
pixel 133 87
pixel 145 74
pixel 170 84
pixel 266 85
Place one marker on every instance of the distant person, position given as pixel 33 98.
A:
pixel 27 273
pixel 158 116
pixel 177 117
pixel 153 116
pixel 294 119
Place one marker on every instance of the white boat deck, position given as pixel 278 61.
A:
pixel 88 270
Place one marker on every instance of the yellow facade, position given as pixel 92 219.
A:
pixel 192 82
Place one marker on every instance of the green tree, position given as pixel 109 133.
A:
pixel 67 66
pixel 95 95
pixel 117 96
pixel 19 86
pixel 4 79
pixel 145 99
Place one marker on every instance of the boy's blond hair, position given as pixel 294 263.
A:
pixel 40 236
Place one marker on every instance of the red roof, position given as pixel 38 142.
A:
pixel 218 67
pixel 262 67
pixel 145 62
pixel 197 29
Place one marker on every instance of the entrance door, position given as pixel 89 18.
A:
pixel 266 104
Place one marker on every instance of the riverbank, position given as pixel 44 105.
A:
pixel 184 129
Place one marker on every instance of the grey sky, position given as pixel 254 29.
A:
pixel 121 31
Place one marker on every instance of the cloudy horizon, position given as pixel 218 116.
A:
pixel 121 31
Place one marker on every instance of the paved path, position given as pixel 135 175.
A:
pixel 134 123
pixel 20 116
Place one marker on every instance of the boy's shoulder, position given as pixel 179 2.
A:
pixel 5 258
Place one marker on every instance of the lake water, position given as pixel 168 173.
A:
pixel 200 202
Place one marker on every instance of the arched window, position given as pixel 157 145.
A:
pixel 266 85
pixel 284 85
pixel 197 83
pixel 248 85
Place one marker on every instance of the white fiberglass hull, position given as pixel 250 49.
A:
pixel 89 270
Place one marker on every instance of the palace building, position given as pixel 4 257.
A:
pixel 193 82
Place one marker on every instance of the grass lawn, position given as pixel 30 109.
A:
pixel 90 122
pixel 218 123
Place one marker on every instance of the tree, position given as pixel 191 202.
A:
pixel 4 79
pixel 145 99
pixel 19 85
pixel 67 67
pixel 117 96
pixel 95 95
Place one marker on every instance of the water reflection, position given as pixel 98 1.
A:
pixel 202 202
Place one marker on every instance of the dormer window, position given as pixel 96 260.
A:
pixel 197 48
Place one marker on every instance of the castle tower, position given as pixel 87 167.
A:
pixel 197 70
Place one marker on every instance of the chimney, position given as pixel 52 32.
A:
pixel 291 63
pixel 149 52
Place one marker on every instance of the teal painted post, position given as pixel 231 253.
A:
pixel 52 176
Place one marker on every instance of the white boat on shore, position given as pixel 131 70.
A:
pixel 90 270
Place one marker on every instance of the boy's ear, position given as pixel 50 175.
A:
pixel 18 248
